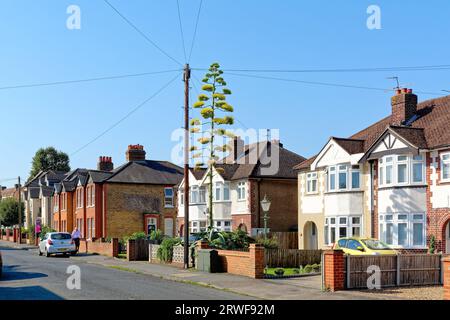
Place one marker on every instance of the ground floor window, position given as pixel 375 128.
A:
pixel 337 227
pixel 80 226
pixel 404 230
pixel 222 225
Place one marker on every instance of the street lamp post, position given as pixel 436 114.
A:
pixel 265 204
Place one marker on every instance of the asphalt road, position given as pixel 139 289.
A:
pixel 26 276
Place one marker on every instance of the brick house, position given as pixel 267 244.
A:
pixel 240 182
pixel 116 202
pixel 390 181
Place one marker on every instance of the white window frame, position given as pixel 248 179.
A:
pixel 348 169
pixel 348 224
pixel 443 162
pixel 411 219
pixel 409 162
pixel 168 200
pixel 312 177
pixel 242 190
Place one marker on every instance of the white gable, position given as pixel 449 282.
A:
pixel 389 142
pixel 332 154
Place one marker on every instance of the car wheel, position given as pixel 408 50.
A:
pixel 40 252
pixel 47 254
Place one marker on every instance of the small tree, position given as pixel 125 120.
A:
pixel 432 248
pixel 9 212
pixel 213 109
pixel 49 159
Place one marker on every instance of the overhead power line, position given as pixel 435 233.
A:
pixel 181 30
pixel 195 30
pixel 383 69
pixel 324 83
pixel 54 83
pixel 142 33
pixel 115 124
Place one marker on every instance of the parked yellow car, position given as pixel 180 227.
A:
pixel 363 246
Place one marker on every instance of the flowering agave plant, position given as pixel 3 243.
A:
pixel 214 108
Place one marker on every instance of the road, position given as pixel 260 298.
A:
pixel 26 276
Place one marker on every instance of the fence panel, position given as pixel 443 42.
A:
pixel 291 258
pixel 286 240
pixel 395 270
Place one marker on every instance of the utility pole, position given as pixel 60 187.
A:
pixel 20 211
pixel 187 76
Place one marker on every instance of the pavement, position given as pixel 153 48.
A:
pixel 104 272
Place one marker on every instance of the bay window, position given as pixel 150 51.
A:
pixel 401 170
pixel 346 177
pixel 404 230
pixel 337 227
pixel 194 195
pixel 222 191
pixel 445 167
pixel 311 182
pixel 202 195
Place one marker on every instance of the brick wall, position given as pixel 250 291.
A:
pixel 245 263
pixel 126 205
pixel 110 249
pixel 333 267
pixel 446 265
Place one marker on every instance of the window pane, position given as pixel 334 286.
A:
pixel 389 233
pixel 314 186
pixel 332 220
pixel 342 232
pixel 418 216
pixel 342 180
pixel 356 231
pixel 446 157
pixel 418 158
pixel 389 217
pixel 326 234
pixel 446 171
pixel 343 220
pixel 381 180
pixel 226 192
pixel 355 180
pixel 401 158
pixel 333 235
pixel 402 217
pixel 417 234
pixel 356 220
pixel 402 234
pixel 332 181
pixel 388 174
pixel 417 172
pixel 402 173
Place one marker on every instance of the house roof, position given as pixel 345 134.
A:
pixel 147 172
pixel 352 146
pixel 47 191
pixel 34 192
pixel 8 192
pixel 427 129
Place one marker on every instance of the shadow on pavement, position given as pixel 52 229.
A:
pixel 10 274
pixel 27 293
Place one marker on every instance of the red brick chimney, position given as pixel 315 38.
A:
pixel 135 153
pixel 404 106
pixel 105 164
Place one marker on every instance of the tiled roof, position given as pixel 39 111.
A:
pixel 352 146
pixel 428 129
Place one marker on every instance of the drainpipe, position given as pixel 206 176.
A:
pixel 372 198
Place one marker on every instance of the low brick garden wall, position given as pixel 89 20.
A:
pixel 110 249
pixel 245 263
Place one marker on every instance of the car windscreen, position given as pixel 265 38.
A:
pixel 61 236
pixel 376 245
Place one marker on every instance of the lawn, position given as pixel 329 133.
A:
pixel 293 271
pixel 287 271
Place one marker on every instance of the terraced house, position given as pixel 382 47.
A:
pixel 139 196
pixel 389 181
pixel 240 182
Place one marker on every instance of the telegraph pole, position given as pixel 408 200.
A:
pixel 187 76
pixel 20 211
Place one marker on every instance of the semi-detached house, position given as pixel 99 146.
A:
pixel 390 181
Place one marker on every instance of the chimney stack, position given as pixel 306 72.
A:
pixel 105 164
pixel 135 153
pixel 237 148
pixel 404 106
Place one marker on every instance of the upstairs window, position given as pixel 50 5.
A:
pixel 311 182
pixel 182 197
pixel 202 195
pixel 401 170
pixel 445 167
pixel 241 191
pixel 221 191
pixel 194 194
pixel 168 197
pixel 344 178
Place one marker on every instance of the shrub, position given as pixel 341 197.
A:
pixel 296 271
pixel 230 240
pixel 165 250
pixel 138 236
pixel 271 243
pixel 307 269
pixel 316 267
pixel 432 248
pixel 157 236
pixel 279 271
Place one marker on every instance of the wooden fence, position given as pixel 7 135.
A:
pixel 286 240
pixel 395 270
pixel 137 250
pixel 291 258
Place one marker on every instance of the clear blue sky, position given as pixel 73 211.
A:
pixel 37 47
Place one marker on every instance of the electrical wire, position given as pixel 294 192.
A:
pixel 142 33
pixel 86 80
pixel 324 83
pixel 195 30
pixel 139 106
pixel 181 30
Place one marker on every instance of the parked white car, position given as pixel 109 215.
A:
pixel 57 243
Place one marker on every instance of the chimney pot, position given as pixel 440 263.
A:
pixel 404 106
pixel 105 164
pixel 135 153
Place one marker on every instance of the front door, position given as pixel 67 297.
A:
pixel 447 238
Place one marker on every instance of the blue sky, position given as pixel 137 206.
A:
pixel 37 47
